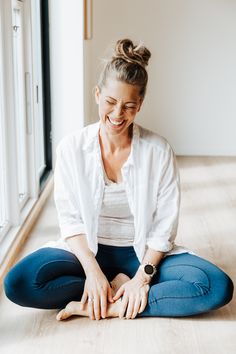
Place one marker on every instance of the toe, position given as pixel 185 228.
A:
pixel 63 314
pixel 60 315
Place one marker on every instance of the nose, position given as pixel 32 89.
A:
pixel 118 111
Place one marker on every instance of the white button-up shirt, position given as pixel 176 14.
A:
pixel 151 180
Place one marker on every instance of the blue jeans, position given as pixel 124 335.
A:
pixel 184 285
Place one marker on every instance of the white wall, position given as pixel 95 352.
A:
pixel 66 60
pixel 192 72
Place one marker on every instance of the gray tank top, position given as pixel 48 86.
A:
pixel 116 223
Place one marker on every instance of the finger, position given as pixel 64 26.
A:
pixel 103 304
pixel 123 307
pixel 110 298
pixel 143 304
pixel 116 296
pixel 130 308
pixel 96 307
pixel 119 293
pixel 90 309
pixel 136 307
pixel 84 298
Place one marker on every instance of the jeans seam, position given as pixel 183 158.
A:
pixel 176 297
pixel 185 297
pixel 189 265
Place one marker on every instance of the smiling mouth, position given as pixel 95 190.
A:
pixel 116 123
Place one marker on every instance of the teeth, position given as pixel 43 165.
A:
pixel 115 123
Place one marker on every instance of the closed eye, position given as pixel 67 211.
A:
pixel 126 107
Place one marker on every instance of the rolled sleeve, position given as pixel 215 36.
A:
pixel 67 205
pixel 165 219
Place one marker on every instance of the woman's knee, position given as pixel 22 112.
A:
pixel 12 284
pixel 17 280
pixel 228 285
pixel 221 287
pixel 222 290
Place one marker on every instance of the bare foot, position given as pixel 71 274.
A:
pixel 72 308
pixel 76 308
pixel 119 280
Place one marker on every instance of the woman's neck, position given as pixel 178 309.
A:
pixel 114 144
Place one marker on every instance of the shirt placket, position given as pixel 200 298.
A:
pixel 99 186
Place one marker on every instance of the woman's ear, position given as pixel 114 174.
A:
pixel 97 93
pixel 140 104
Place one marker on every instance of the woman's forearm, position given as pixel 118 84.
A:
pixel 153 256
pixel 79 246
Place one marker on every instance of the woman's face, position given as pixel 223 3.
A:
pixel 118 104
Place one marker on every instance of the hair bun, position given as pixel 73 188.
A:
pixel 126 50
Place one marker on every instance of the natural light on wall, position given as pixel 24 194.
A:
pixel 66 52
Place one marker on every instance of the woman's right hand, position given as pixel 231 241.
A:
pixel 98 288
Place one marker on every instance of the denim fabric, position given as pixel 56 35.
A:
pixel 184 285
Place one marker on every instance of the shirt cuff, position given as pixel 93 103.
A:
pixel 72 230
pixel 158 244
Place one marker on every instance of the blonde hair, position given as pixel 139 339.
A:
pixel 127 64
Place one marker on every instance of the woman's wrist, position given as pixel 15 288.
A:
pixel 144 278
pixel 91 267
pixel 89 263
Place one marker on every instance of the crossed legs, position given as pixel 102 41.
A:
pixel 54 279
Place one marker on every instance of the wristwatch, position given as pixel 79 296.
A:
pixel 148 268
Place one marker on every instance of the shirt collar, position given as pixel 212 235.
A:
pixel 94 138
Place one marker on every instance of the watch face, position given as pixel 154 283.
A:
pixel 148 269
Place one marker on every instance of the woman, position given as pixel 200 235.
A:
pixel 117 194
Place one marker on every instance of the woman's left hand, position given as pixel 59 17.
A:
pixel 135 297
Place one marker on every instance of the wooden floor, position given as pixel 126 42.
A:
pixel 207 226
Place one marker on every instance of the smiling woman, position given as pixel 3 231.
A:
pixel 117 193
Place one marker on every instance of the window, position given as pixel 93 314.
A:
pixel 25 119
pixel 4 220
pixel 20 104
